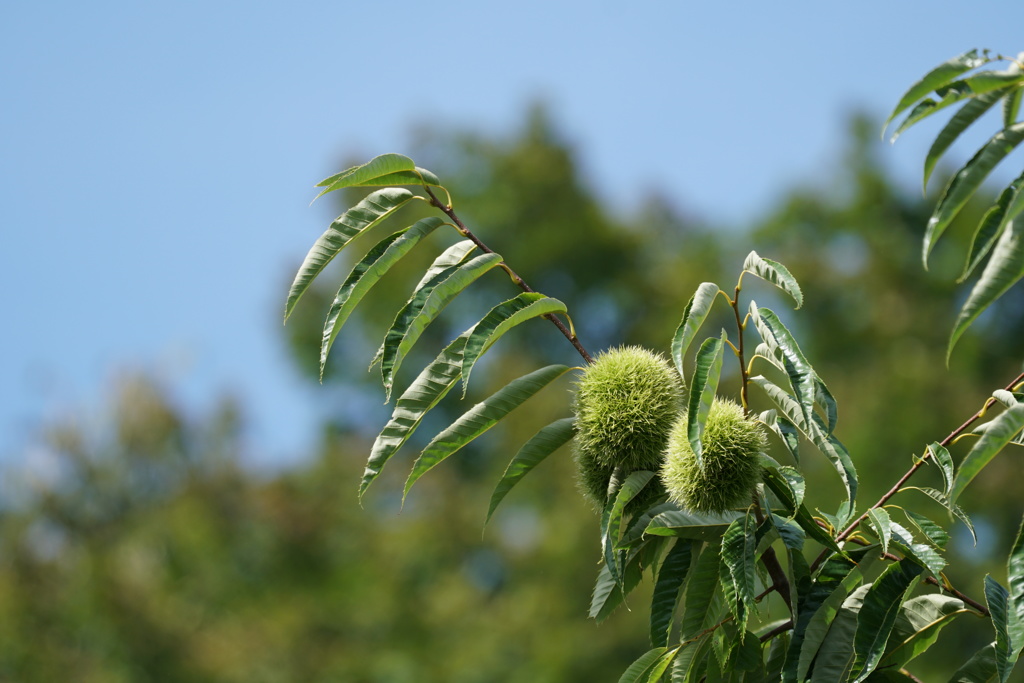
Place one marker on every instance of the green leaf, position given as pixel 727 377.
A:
pixel 611 524
pixel 480 418
pixel 1009 636
pixel 878 614
pixel 640 670
pixel 667 589
pixel 433 383
pixel 685 524
pixel 998 433
pixel 918 625
pixel 541 445
pixel 702 391
pixel 943 499
pixel 1015 575
pixel 1011 106
pixel 936 78
pixel 944 460
pixel 880 521
pixel 784 490
pixel 1004 269
pixel 991 226
pixel 801 374
pixel 958 91
pixel 968 114
pixel 932 531
pixel 500 320
pixel 442 267
pixel 639 523
pixel 980 668
pixel 366 274
pixel 398 344
pixel 700 592
pixel 823 397
pixel 608 593
pixel 775 273
pixel 694 314
pixel 737 568
pixel 966 181
pixel 835 658
pixel 386 169
pixel 369 212
pixel 785 430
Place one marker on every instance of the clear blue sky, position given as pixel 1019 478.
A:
pixel 157 159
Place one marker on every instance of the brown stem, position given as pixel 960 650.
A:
pixel 780 582
pixel 466 232
pixel 781 628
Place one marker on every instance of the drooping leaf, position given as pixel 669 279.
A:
pixel 980 668
pixel 835 658
pixel 1015 576
pixel 1011 106
pixel 992 224
pixel 936 78
pixel 638 525
pixel 1000 431
pixel 500 320
pixel 737 568
pixel 386 169
pixel 611 522
pixel 667 589
pixel 918 625
pixel 366 274
pixel 686 524
pixel 785 430
pixel 1009 630
pixel 542 444
pixel 943 499
pixel 775 273
pixel 977 86
pixel 701 590
pixel 702 391
pixel 823 397
pixel 944 460
pixel 935 534
pixel 920 553
pixel 432 384
pixel 434 301
pixel 369 212
pixel 1004 269
pixel 878 614
pixel 641 670
pixel 480 418
pixel 960 122
pixel 780 484
pixel 966 181
pixel 879 519
pixel 694 314
pixel 801 374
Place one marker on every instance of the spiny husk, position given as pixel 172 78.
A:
pixel 731 445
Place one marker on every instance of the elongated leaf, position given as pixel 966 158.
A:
pixel 936 78
pixel 835 658
pixel 922 554
pixel 935 534
pixel 702 391
pixel 694 314
pixel 979 85
pixel 966 181
pixel 697 525
pixel 918 625
pixel 878 614
pixel 433 382
pixel 801 374
pixel 775 273
pixel 823 397
pixel 500 320
pixel 671 578
pixel 943 499
pixel 442 267
pixel 608 593
pixel 701 590
pixel 1000 431
pixel 1015 575
pixel 980 668
pixel 991 226
pixel 1008 628
pixel 542 444
pixel 369 212
pixel 1011 106
pixel 968 114
pixel 944 460
pixel 785 430
pixel 386 169
pixel 639 671
pixel 737 568
pixel 436 299
pixel 1004 269
pixel 880 521
pixel 611 523
pixel 366 274
pixel 783 488
pixel 480 418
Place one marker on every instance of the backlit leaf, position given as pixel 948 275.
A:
pixel 694 314
pixel 999 432
pixel 386 169
pixel 702 391
pixel 968 114
pixel 918 625
pixel 936 78
pixel 775 273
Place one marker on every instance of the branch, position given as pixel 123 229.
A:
pixel 466 232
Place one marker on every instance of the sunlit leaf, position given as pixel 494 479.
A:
pixel 1011 107
pixel 701 590
pixel 737 568
pixel 1015 575
pixel 685 524
pixel 1000 431
pixel 694 314
pixel 968 114
pixel 640 670
pixel 386 169
pixel 936 78
pixel 540 446
pixel 1009 635
pixel 878 614
pixel 366 274
pixel 879 519
pixel 702 391
pixel 480 418
pixel 369 212
pixel 775 273
pixel 944 460
pixel 801 374
pixel 943 499
pixel 966 181
pixel 918 625
pixel 667 589
pixel 932 531
pixel 500 320
pixel 611 522
pixel 785 430
pixel 608 593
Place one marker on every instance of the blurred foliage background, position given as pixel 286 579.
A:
pixel 140 548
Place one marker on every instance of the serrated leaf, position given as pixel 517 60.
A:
pixel 701 590
pixel 980 668
pixel 737 568
pixel 990 227
pixel 640 670
pixel 638 525
pixel 980 85
pixel 1000 431
pixel 432 384
pixel 702 391
pixel 608 593
pixel 801 374
pixel 1011 106
pixel 1015 576
pixel 966 181
pixel 931 530
pixel 878 614
pixel 823 397
pixel 1009 636
pixel 667 589
pixel 785 430
pixel 366 274
pixel 968 114
pixel 783 489
pixel 775 273
pixel 944 460
pixel 435 299
pixel 918 625
pixel 879 519
pixel 386 169
pixel 369 212
pixel 480 418
pixel 500 320
pixel 835 658
pixel 611 522
pixel 542 444
pixel 685 524
pixel 936 78
pixel 694 315
pixel 943 499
